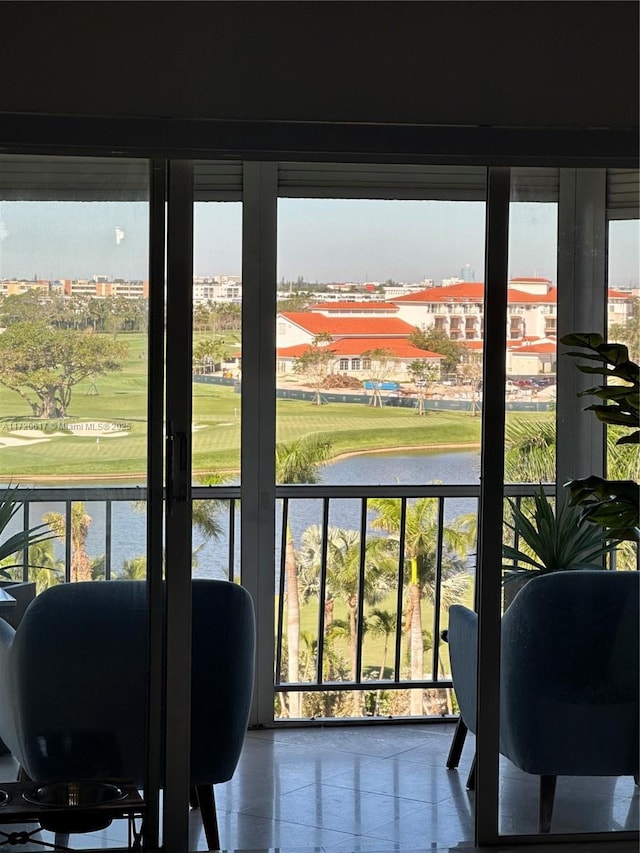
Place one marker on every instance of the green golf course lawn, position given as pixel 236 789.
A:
pixel 37 450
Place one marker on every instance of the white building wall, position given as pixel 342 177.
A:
pixel 415 314
pixel 289 335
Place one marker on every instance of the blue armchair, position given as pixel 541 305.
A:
pixel 569 678
pixel 75 702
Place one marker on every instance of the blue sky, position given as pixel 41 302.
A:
pixel 319 239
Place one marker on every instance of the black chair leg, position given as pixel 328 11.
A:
pixel 547 793
pixel 471 778
pixel 209 817
pixel 61 841
pixel 456 744
pixel 193 798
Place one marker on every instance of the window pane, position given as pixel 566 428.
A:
pixel 379 333
pixel 217 385
pixel 623 320
pixel 531 356
pixel 379 361
pixel 74 294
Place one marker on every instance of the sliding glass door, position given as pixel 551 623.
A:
pixel 78 293
pixel 321 382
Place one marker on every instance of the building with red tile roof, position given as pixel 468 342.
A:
pixel 458 309
pixel 354 307
pixel 298 327
pixel 351 344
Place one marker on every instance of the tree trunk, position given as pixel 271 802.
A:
pixel 293 625
pixel 80 565
pixel 417 649
pixel 358 696
pixel 383 664
pixel 328 613
pixel 352 602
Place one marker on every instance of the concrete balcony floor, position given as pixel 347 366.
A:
pixel 377 789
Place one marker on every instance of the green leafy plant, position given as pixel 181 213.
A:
pixel 556 541
pixel 610 504
pixel 22 539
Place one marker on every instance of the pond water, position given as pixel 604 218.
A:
pixel 410 468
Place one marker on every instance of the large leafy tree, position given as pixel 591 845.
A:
pixel 20 308
pixel 43 364
pixel 214 350
pixel 435 340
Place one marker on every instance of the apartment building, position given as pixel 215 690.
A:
pixel 217 289
pixel 104 289
pixel 18 287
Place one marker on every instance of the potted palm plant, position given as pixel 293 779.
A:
pixel 550 541
pixel 611 505
pixel 12 544
pixel 599 514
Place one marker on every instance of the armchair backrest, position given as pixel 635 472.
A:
pixel 569 697
pixel 78 680
pixel 569 673
pixel 463 655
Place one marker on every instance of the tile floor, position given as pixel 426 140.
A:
pixel 378 789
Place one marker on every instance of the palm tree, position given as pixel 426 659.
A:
pixel 420 544
pixel 310 652
pixel 14 544
pixel 205 514
pixel 134 569
pixel 297 462
pixel 530 458
pixel 382 622
pixel 343 572
pixel 81 564
pixel 44 569
pixel 530 451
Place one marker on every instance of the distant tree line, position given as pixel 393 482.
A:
pixel 111 314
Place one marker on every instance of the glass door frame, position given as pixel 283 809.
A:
pixel 259 244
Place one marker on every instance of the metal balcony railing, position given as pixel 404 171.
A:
pixel 362 650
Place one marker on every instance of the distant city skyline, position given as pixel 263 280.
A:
pixel 323 240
